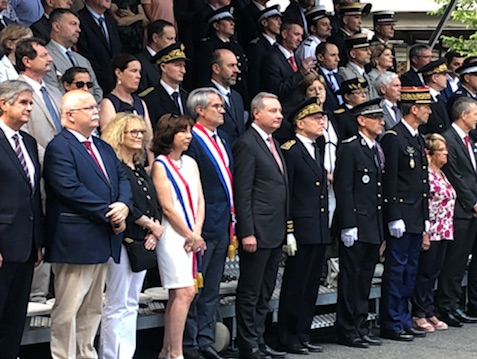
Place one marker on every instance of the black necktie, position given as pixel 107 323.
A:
pixel 317 154
pixel 175 98
pixel 102 24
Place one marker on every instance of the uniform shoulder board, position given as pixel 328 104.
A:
pixel 205 39
pixel 392 132
pixel 255 41
pixel 339 111
pixel 146 91
pixel 348 140
pixel 287 145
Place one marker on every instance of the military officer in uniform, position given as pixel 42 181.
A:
pixel 406 212
pixel 309 213
pixel 468 84
pixel 354 93
pixel 359 220
pixel 222 23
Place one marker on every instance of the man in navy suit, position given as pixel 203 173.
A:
pixel 454 61
pixel 210 149
pixel 88 199
pixel 419 55
pixel 21 217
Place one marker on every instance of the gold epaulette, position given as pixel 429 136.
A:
pixel 146 92
pixel 290 226
pixel 392 132
pixel 352 138
pixel 339 111
pixel 287 145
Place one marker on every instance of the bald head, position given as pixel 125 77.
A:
pixel 79 112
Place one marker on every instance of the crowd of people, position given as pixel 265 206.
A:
pixel 145 135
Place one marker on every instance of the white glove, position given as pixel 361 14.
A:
pixel 397 228
pixel 291 245
pixel 349 236
pixel 427 226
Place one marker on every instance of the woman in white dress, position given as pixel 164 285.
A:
pixel 179 190
pixel 9 37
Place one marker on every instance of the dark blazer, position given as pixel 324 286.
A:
pixel 461 174
pixel 461 92
pixel 247 25
pixel 439 119
pixel 331 102
pixel 78 196
pixel 447 92
pixel 405 181
pixel 411 78
pixel 345 122
pixel 260 191
pixel 308 189
pixel 279 78
pixel 359 195
pixel 21 216
pixel 293 13
pixel 217 209
pixel 42 28
pixel 257 50
pixel 338 38
pixel 234 125
pixel 150 73
pixel 159 103
pixel 93 46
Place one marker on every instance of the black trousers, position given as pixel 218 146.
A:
pixel 300 285
pixel 258 272
pixel 357 265
pixel 430 265
pixel 449 288
pixel 15 283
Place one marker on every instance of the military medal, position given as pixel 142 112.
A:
pixel 410 150
pixel 365 179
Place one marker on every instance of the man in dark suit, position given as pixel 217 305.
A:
pixel 435 77
pixel 99 40
pixel 22 230
pixel 454 61
pixel 307 185
pixel 295 13
pixel 468 85
pixel 282 76
pixel 168 96
pixel 406 212
pixel 269 21
pixel 42 27
pixel 211 150
pixel 383 25
pixel 247 26
pixel 328 58
pixel 388 86
pixel 88 199
pixel 224 75
pixel 261 205
pixel 419 56
pixel 359 219
pixel 160 34
pixel 461 171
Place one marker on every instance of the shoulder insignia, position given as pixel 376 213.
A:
pixel 205 39
pixel 146 92
pixel 339 111
pixel 348 140
pixel 287 145
pixel 255 41
pixel 392 132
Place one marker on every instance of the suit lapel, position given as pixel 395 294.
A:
pixel 308 159
pixel 12 156
pixel 267 151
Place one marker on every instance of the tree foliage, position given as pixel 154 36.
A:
pixel 466 13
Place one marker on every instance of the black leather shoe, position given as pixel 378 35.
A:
pixel 272 352
pixel 450 320
pixel 415 332
pixel 312 348
pixel 254 353
pixel 296 349
pixel 399 336
pixel 464 318
pixel 191 353
pixel 210 353
pixel 371 340
pixel 355 343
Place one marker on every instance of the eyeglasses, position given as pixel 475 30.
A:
pixel 81 84
pixel 318 117
pixel 135 133
pixel 89 108
pixel 374 117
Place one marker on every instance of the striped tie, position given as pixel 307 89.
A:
pixel 21 157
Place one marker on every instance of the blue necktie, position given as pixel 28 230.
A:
pixel 51 108
pixel 70 56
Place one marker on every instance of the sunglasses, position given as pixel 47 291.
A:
pixel 81 84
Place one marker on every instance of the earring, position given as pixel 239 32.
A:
pixel 119 82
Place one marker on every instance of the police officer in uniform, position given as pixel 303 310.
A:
pixel 359 220
pixel 468 84
pixel 309 213
pixel 222 23
pixel 406 212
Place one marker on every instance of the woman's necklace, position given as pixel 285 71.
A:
pixel 178 163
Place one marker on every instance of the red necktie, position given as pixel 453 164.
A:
pixel 87 145
pixel 292 62
pixel 274 151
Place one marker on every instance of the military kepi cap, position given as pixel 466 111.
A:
pixel 435 67
pixel 368 108
pixel 309 107
pixel 468 68
pixel 170 53
pixel 269 12
pixel 357 41
pixel 316 13
pixel 348 86
pixel 416 95
pixel 381 17
pixel 355 8
pixel 225 12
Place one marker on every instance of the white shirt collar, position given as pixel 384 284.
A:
pixel 95 14
pixel 359 69
pixel 79 136
pixel 261 132
pixel 271 40
pixel 411 130
pixel 369 141
pixel 168 88
pixel 36 86
pixel 459 131
pixel 224 91
pixel 9 132
pixel 388 104
pixel 151 51
pixel 326 71
pixel 59 46
pixel 285 52
pixel 307 143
